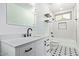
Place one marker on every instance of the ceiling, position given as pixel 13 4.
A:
pixel 56 7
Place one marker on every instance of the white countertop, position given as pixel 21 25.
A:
pixel 20 41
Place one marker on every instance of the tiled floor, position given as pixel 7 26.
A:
pixel 60 50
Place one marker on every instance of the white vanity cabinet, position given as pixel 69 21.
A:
pixel 38 47
pixel 8 50
pixel 23 50
pixel 43 47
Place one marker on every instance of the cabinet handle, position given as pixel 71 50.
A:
pixel 48 45
pixel 45 43
pixel 47 39
pixel 52 36
pixel 28 50
pixel 48 50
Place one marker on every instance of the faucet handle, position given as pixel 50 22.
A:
pixel 24 35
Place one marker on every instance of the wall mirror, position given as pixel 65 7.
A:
pixel 20 14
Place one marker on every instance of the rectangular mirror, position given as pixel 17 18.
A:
pixel 20 14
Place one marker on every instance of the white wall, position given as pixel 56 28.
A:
pixel 70 33
pixel 78 25
pixel 41 9
pixel 67 34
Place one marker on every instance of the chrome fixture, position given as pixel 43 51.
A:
pixel 29 34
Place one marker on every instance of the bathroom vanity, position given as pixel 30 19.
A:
pixel 29 46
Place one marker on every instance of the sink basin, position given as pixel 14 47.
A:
pixel 20 41
pixel 35 36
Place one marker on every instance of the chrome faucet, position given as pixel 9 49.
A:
pixel 29 34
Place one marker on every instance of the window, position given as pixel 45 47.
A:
pixel 63 16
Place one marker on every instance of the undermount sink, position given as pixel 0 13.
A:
pixel 35 36
pixel 19 41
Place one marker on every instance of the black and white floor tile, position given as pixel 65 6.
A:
pixel 60 50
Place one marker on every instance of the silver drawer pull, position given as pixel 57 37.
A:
pixel 52 36
pixel 28 50
pixel 48 50
pixel 47 39
pixel 45 43
pixel 48 45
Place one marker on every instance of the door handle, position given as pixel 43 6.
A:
pixel 28 50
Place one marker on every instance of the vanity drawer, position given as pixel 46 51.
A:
pixel 27 50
